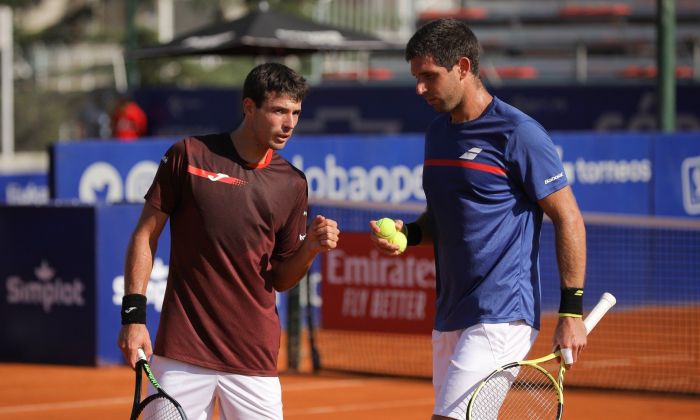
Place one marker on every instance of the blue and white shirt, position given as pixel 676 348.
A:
pixel 482 180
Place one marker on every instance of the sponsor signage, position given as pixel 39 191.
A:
pixel 62 282
pixel 27 188
pixel 47 284
pixel 114 226
pixel 612 173
pixel 678 183
pixel 364 290
pixel 383 169
pixel 105 172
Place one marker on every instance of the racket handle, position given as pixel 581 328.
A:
pixel 142 354
pixel 606 302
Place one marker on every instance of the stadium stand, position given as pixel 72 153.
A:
pixel 583 41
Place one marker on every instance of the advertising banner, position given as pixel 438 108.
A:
pixel 364 290
pixel 611 173
pixel 62 282
pixel 637 174
pixel 382 169
pixel 353 109
pixel 101 171
pixel 114 225
pixel 678 179
pixel 25 188
pixel 47 284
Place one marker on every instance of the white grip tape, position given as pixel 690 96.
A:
pixel 606 302
pixel 568 356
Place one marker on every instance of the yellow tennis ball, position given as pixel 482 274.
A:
pixel 387 228
pixel 399 239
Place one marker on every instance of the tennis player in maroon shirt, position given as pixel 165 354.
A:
pixel 239 233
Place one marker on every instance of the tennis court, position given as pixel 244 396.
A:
pixel 83 393
pixel 642 362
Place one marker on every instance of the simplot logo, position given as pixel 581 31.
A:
pixel 46 290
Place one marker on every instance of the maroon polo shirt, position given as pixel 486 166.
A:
pixel 228 221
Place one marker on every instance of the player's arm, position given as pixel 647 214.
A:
pixel 423 226
pixel 137 272
pixel 570 240
pixel 417 232
pixel 322 235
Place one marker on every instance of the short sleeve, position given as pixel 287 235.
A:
pixel 164 193
pixel 534 161
pixel 291 236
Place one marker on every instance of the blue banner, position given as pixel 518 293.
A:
pixel 183 112
pixel 385 169
pixel 62 282
pixel 641 174
pixel 677 180
pixel 611 173
pixel 356 109
pixel 114 226
pixel 24 188
pixel 99 171
pixel 47 297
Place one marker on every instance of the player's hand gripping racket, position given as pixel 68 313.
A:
pixel 158 406
pixel 525 389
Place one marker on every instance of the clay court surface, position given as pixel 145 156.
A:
pixel 81 393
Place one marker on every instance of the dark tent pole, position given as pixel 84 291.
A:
pixel 666 63
pixel 132 74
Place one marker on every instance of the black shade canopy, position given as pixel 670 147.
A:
pixel 268 33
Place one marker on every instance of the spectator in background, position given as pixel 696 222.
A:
pixel 93 121
pixel 129 122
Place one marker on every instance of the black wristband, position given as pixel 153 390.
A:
pixel 571 303
pixel 414 234
pixel 133 309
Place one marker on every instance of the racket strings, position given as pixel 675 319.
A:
pixel 521 392
pixel 160 409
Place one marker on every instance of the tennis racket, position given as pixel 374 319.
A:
pixel 158 406
pixel 525 389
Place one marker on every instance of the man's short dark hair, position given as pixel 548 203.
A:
pixel 446 41
pixel 274 78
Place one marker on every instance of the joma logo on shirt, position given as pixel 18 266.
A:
pixel 218 177
pixel 215 176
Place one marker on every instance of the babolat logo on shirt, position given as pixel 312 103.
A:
pixel 554 178
pixel 46 290
pixel 471 153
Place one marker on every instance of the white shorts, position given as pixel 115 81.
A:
pixel 197 389
pixel 461 359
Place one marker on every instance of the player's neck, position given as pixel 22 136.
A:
pixel 476 100
pixel 246 147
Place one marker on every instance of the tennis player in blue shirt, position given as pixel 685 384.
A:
pixel 490 173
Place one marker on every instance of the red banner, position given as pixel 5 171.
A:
pixel 364 290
